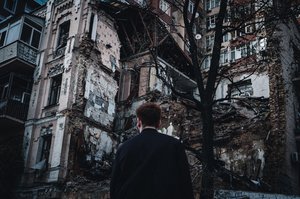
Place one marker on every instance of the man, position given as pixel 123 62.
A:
pixel 151 165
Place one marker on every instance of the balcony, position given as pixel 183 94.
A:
pixel 19 50
pixel 20 39
pixel 15 92
pixel 13 110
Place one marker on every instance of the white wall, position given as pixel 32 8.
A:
pixel 260 84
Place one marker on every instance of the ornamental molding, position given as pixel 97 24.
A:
pixel 56 70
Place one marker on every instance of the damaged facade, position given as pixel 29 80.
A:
pixel 72 108
pixel 98 61
pixel 90 60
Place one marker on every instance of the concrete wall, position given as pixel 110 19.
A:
pixel 291 37
pixel 283 105
pixel 259 81
pixel 84 82
pixel 100 92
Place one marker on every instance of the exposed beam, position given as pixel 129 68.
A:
pixel 146 28
pixel 127 38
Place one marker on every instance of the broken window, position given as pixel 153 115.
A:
pixel 10 5
pixel 241 88
pixel 63 34
pixel 165 7
pixel 55 89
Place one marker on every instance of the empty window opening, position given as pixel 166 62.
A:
pixel 55 90
pixel 63 34
pixel 241 88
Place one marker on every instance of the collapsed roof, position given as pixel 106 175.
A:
pixel 140 31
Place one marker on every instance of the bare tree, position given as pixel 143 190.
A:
pixel 260 15
pixel 239 17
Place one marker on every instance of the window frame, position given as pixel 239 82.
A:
pixel 210 4
pixel 206 62
pixel 165 7
pixel 61 41
pixel 31 39
pixel 17 32
pixel 240 88
pixel 5 36
pixel 191 6
pixel 211 22
pixel 54 90
pixel 224 58
pixel 209 41
pixel 13 10
pixel 45 144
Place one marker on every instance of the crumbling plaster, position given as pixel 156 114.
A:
pixel 99 143
pixel 259 83
pixel 94 94
pixel 100 92
pixel 107 41
pixel 289 37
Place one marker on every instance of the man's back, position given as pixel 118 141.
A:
pixel 151 166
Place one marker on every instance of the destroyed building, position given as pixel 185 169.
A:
pixel 90 61
pixel 248 58
pixel 99 60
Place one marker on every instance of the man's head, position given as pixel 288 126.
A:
pixel 148 114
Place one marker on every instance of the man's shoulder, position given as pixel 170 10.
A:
pixel 127 143
pixel 148 135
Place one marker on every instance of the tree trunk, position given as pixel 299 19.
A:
pixel 207 188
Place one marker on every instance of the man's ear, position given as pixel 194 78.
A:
pixel 158 126
pixel 139 124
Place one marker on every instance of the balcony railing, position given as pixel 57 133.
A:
pixel 13 109
pixel 20 50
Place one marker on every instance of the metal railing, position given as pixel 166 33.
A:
pixel 14 109
pixel 19 49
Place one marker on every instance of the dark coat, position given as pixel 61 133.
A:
pixel 151 166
